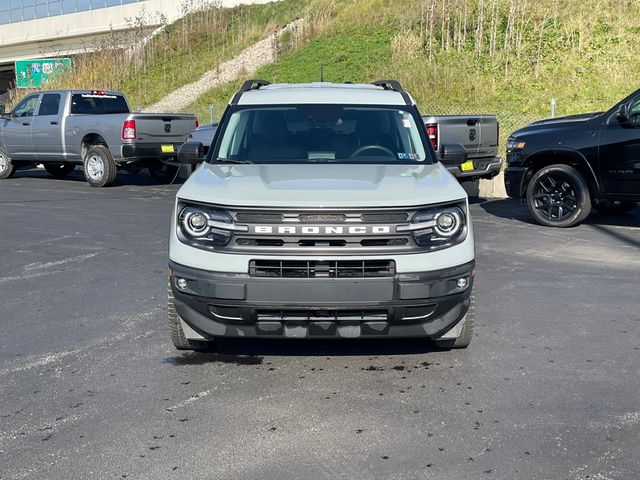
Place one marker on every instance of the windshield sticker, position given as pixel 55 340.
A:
pixel 322 155
pixel 409 156
pixel 406 123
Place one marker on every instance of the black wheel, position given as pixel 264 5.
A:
pixel 59 169
pixel 180 341
pixel 7 168
pixel 163 173
pixel 464 339
pixel 613 208
pixel 558 196
pixel 99 168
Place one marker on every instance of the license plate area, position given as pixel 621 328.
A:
pixel 167 148
pixel 467 166
pixel 316 292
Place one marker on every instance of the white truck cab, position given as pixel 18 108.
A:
pixel 320 211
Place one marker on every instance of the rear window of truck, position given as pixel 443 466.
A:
pixel 98 104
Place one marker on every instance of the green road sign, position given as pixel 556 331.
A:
pixel 35 73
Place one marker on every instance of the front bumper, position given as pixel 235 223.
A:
pixel 513 181
pixel 404 305
pixel 483 168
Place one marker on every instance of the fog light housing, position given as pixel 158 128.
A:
pixel 462 282
pixel 182 283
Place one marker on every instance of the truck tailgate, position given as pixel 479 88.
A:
pixel 477 133
pixel 163 128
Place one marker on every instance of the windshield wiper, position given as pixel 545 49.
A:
pixel 230 160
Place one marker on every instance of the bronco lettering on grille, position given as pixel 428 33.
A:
pixel 321 230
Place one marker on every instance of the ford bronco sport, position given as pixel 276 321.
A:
pixel 321 211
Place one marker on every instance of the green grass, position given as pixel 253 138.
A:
pixel 584 54
pixel 350 56
pixel 211 41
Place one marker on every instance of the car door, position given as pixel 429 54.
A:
pixel 619 152
pixel 16 131
pixel 46 128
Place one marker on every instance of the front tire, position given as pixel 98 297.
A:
pixel 178 338
pixel 59 169
pixel 7 168
pixel 466 335
pixel 614 209
pixel 558 196
pixel 163 173
pixel 100 169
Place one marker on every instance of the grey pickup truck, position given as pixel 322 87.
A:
pixel 477 136
pixel 64 128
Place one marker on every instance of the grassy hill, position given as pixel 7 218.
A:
pixel 456 56
pixel 504 56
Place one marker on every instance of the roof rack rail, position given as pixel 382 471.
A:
pixel 246 86
pixel 396 87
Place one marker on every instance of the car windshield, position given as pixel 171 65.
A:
pixel 322 134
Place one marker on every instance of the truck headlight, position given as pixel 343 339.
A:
pixel 515 144
pixel 203 226
pixel 437 228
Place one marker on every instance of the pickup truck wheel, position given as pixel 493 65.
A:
pixel 180 341
pixel 558 196
pixel 100 170
pixel 610 208
pixel 59 169
pixel 464 339
pixel 7 168
pixel 163 173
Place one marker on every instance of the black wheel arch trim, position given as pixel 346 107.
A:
pixel 533 158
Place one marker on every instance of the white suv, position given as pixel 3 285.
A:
pixel 321 211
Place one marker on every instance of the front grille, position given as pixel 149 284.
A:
pixel 322 269
pixel 257 217
pixel 322 217
pixel 321 315
pixel 366 231
pixel 385 217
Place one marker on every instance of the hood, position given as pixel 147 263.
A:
pixel 321 185
pixel 568 121
pixel 569 118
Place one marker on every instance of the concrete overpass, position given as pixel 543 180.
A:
pixel 54 28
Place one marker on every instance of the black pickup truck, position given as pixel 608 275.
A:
pixel 564 167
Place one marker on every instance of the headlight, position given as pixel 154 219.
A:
pixel 515 144
pixel 206 227
pixel 437 228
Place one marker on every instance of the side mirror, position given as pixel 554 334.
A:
pixel 622 115
pixel 191 153
pixel 453 154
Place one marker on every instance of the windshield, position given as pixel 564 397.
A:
pixel 322 133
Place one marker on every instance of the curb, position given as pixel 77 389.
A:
pixel 493 188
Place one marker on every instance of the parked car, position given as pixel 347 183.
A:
pixel 322 219
pixel 65 128
pixel 478 136
pixel 562 167
pixel 204 134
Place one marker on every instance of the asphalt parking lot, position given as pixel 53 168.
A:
pixel 90 386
